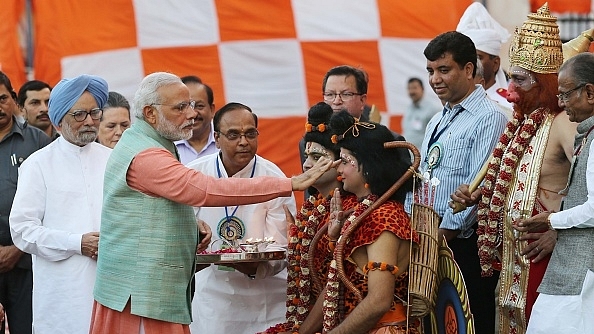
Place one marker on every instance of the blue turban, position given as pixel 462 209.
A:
pixel 68 91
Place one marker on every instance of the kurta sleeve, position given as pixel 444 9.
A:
pixel 26 216
pixel 581 216
pixel 156 172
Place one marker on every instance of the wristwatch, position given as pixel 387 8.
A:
pixel 549 221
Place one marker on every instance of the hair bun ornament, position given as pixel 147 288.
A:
pixel 336 138
pixel 354 128
pixel 320 127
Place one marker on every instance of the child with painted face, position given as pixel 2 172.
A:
pixel 310 247
pixel 374 253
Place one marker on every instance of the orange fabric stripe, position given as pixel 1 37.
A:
pixel 11 57
pixel 65 28
pixel 202 61
pixel 319 57
pixel 279 143
pixel 395 123
pixel 406 20
pixel 255 19
pixel 563 6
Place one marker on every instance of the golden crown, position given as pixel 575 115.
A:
pixel 536 46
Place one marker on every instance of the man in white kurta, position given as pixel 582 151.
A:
pixel 566 298
pixel 251 298
pixel 57 209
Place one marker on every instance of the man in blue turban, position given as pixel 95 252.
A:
pixel 56 211
pixel 89 88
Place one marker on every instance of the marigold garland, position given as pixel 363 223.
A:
pixel 333 298
pixel 309 219
pixel 496 185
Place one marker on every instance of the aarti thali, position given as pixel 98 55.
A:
pixel 250 251
pixel 239 257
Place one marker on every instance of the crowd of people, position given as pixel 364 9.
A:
pixel 105 202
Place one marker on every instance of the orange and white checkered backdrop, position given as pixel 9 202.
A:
pixel 268 54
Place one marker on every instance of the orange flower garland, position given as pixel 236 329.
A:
pixel 333 298
pixel 309 219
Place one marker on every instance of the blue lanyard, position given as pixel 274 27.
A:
pixel 435 137
pixel 220 175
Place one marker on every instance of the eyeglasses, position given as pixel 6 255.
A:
pixel 180 107
pixel 81 115
pixel 343 96
pixel 565 96
pixel 235 135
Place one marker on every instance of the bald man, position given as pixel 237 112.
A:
pixel 57 208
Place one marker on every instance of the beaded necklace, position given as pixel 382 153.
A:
pixel 497 182
pixel 333 298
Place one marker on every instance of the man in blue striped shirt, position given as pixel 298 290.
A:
pixel 457 143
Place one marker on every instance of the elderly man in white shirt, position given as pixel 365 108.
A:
pixel 57 208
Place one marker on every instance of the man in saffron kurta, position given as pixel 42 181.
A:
pixel 528 168
pixel 149 232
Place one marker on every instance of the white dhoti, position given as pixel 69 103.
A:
pixel 564 314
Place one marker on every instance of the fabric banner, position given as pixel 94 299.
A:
pixel 270 55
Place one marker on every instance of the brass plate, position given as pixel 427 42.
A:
pixel 239 257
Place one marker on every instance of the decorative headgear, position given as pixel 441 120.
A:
pixel 68 91
pixel 354 129
pixel 578 45
pixel 486 33
pixel 536 46
pixel 317 129
pixel 310 127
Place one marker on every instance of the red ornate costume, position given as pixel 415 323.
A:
pixel 302 293
pixel 390 216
